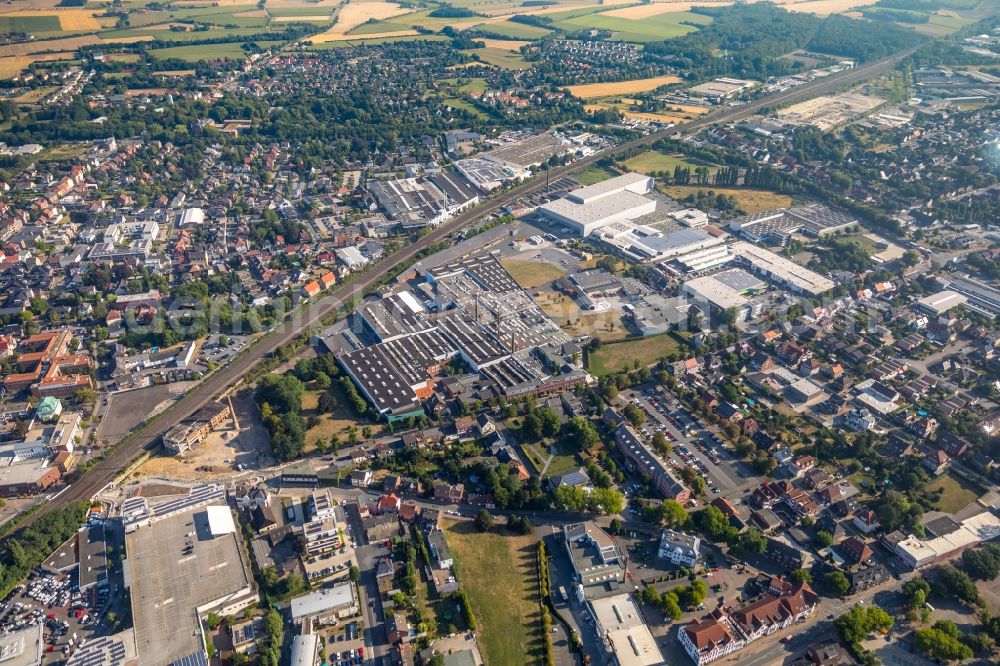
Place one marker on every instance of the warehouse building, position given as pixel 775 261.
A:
pixel 722 88
pixel 949 539
pixel 424 201
pixel 941 302
pixel 728 290
pixel 775 227
pixel 786 273
pixel 589 208
pixel 487 175
pixel 643 243
pixel 326 605
pixel 396 376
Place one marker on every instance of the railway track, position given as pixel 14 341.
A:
pixel 208 389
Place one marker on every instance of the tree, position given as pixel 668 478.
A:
pixel 837 583
pixel 855 625
pixel 570 498
pixel 915 593
pixel 579 433
pixel 605 500
pixel 673 513
pixel 484 521
pixel 824 539
pixel 752 540
pixel 941 642
pixel 635 414
pixel 355 573
pixel 982 563
pixel 952 583
pixel 615 526
pixel 661 444
pixel 801 576
pixel 213 621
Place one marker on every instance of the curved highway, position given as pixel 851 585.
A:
pixel 208 389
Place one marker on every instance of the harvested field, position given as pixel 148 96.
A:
pixel 503 44
pixel 14 65
pixel 592 90
pixel 355 14
pixel 531 274
pixel 823 7
pixel 657 8
pixel 70 20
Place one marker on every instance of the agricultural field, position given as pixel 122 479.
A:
pixel 617 356
pixel 226 51
pixel 653 161
pixel 596 90
pixel 648 29
pixel 822 7
pixel 516 30
pixel 751 201
pixel 498 572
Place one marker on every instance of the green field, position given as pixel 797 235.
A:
pixel 499 574
pixel 500 58
pixel 227 51
pixel 617 356
pixel 593 174
pixel 531 274
pixel 654 28
pixel 178 36
pixel 562 462
pixel 955 493
pixel 464 105
pixel 653 161
pixel 516 30
pixel 30 24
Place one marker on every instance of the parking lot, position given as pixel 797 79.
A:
pixel 692 443
pixel 69 617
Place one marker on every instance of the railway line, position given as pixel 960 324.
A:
pixel 208 389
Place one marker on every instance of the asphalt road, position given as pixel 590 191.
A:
pixel 228 376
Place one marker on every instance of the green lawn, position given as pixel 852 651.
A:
pixel 593 174
pixel 501 58
pixel 464 105
pixel 616 356
pixel 955 493
pixel 654 28
pixel 563 461
pixel 498 572
pixel 652 161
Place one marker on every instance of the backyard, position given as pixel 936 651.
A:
pixel 955 493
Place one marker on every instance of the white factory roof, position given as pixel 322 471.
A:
pixel 788 271
pixel 942 301
pixel 635 646
pixel 595 209
pixel 628 181
pixel 720 295
pixel 220 520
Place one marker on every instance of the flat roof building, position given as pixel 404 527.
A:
pixel 589 208
pixel 941 302
pixel 783 271
pixel 621 627
pixel 178 570
pixel 23 647
pixel 598 564
pixel 326 605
